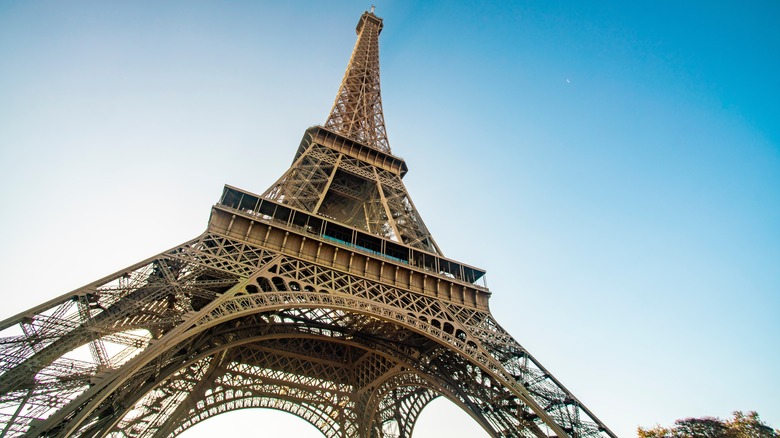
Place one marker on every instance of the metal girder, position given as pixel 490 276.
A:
pixel 331 180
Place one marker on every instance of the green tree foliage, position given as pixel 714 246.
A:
pixel 747 425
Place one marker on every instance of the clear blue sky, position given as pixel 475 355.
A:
pixel 614 166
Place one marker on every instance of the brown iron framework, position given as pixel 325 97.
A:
pixel 325 297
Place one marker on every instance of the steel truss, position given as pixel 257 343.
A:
pixel 325 297
pixel 229 325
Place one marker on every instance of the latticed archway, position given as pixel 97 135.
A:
pixel 275 360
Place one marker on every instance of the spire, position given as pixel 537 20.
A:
pixel 357 111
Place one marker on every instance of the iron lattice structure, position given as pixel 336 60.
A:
pixel 325 297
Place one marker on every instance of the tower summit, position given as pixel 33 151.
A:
pixel 357 111
pixel 345 171
pixel 325 297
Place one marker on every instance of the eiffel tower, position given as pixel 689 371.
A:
pixel 325 296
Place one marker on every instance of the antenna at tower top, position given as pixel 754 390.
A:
pixel 372 8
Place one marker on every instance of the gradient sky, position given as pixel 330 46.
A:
pixel 614 166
